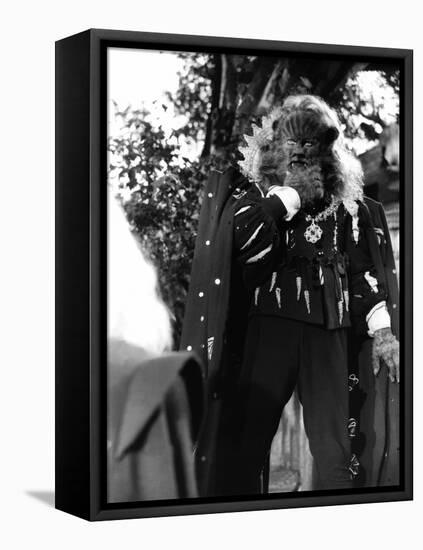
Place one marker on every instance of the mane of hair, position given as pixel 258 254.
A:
pixel 342 170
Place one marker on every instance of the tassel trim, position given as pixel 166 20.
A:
pixel 256 295
pixel 278 296
pixel 307 300
pixel 273 281
pixel 298 282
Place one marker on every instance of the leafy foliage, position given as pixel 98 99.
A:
pixel 161 192
pixel 367 104
pixel 194 93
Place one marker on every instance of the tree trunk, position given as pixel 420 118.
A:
pixel 272 80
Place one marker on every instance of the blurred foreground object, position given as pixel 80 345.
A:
pixel 155 399
pixel 154 408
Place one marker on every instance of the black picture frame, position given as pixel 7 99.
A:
pixel 81 222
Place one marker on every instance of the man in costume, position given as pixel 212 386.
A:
pixel 305 277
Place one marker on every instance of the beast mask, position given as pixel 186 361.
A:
pixel 300 145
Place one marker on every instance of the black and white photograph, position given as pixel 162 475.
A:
pixel 254 234
pixel 210 283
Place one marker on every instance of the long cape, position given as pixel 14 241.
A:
pixel 216 290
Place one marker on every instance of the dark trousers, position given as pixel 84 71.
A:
pixel 279 355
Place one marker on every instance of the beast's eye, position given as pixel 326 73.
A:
pixel 308 143
pixel 291 142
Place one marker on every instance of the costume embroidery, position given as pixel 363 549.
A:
pixel 260 255
pixel 253 236
pixel 307 300
pixel 335 232
pixel 341 311
pixel 354 466
pixel 355 229
pixel 256 295
pixel 347 300
pixel 210 347
pixel 273 281
pixel 243 209
pixel 352 428
pixel 278 297
pixel 321 277
pixel 238 194
pixel 298 283
pixel 352 382
pixel 372 282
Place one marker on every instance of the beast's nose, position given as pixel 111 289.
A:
pixel 297 160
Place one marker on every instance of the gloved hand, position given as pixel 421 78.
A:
pixel 386 349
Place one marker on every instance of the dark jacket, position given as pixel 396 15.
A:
pixel 154 409
pixel 375 400
pixel 218 305
pixel 321 283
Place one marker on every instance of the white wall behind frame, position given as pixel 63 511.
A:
pixel 28 32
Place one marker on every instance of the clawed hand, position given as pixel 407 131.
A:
pixel 386 348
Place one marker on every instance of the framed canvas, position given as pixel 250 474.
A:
pixel 233 274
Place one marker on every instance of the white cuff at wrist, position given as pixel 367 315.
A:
pixel 289 197
pixel 377 318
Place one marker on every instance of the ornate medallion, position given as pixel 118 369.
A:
pixel 313 233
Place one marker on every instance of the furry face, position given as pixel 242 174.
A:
pixel 301 154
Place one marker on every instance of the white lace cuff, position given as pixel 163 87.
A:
pixel 289 197
pixel 377 318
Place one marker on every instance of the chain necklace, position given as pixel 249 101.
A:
pixel 314 232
